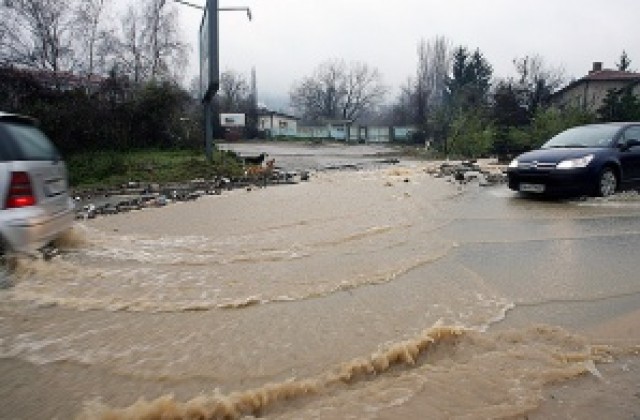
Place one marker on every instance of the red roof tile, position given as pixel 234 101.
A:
pixel 611 75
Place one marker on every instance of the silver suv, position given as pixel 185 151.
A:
pixel 35 207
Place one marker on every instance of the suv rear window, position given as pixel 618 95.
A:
pixel 26 142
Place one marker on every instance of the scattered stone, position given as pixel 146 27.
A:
pixel 391 161
pixel 136 195
pixel 466 172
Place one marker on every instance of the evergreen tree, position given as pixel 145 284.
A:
pixel 461 126
pixel 620 105
pixel 470 81
pixel 471 135
pixel 625 62
pixel 507 112
pixel 481 73
pixel 459 68
pixel 507 109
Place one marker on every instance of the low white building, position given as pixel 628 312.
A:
pixel 277 124
pixel 339 129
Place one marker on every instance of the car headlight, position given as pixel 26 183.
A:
pixel 514 163
pixel 575 163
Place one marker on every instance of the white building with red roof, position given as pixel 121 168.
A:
pixel 588 92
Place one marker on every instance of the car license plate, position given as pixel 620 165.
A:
pixel 53 187
pixel 532 188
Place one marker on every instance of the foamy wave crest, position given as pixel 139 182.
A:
pixel 255 402
pixel 191 251
pixel 440 358
pixel 76 237
pixel 91 279
pixel 624 199
pixel 27 267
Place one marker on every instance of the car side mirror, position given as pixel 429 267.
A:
pixel 629 144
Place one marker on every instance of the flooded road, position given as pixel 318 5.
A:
pixel 378 293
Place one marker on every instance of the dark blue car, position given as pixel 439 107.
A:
pixel 597 159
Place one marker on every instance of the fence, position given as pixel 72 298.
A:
pixel 356 133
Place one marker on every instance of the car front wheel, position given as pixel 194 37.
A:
pixel 607 183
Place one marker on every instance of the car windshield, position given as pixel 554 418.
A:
pixel 586 136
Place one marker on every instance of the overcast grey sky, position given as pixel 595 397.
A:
pixel 287 39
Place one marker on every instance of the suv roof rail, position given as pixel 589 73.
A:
pixel 5 116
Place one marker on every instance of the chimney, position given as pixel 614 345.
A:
pixel 597 66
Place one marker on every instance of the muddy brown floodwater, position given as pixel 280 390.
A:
pixel 375 294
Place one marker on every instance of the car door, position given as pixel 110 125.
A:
pixel 630 156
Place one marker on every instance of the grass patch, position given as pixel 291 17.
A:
pixel 151 166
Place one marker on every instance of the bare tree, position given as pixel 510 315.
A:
pixel 434 65
pixel 37 33
pixel 94 36
pixel 152 33
pixel 403 111
pixel 6 45
pixel 317 96
pixel 131 54
pixel 150 47
pixel 338 91
pixel 194 87
pixel 234 92
pixel 536 80
pixel 364 90
pixel 166 53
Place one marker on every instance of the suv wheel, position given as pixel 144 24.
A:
pixel 6 265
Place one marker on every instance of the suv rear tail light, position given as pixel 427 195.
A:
pixel 20 192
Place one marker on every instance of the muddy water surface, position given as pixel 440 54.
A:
pixel 380 293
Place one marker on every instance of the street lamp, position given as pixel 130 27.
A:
pixel 220 9
pixel 236 9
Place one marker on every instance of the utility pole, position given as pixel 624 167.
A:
pixel 209 69
pixel 253 127
pixel 209 42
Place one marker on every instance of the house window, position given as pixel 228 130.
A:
pixel 283 124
